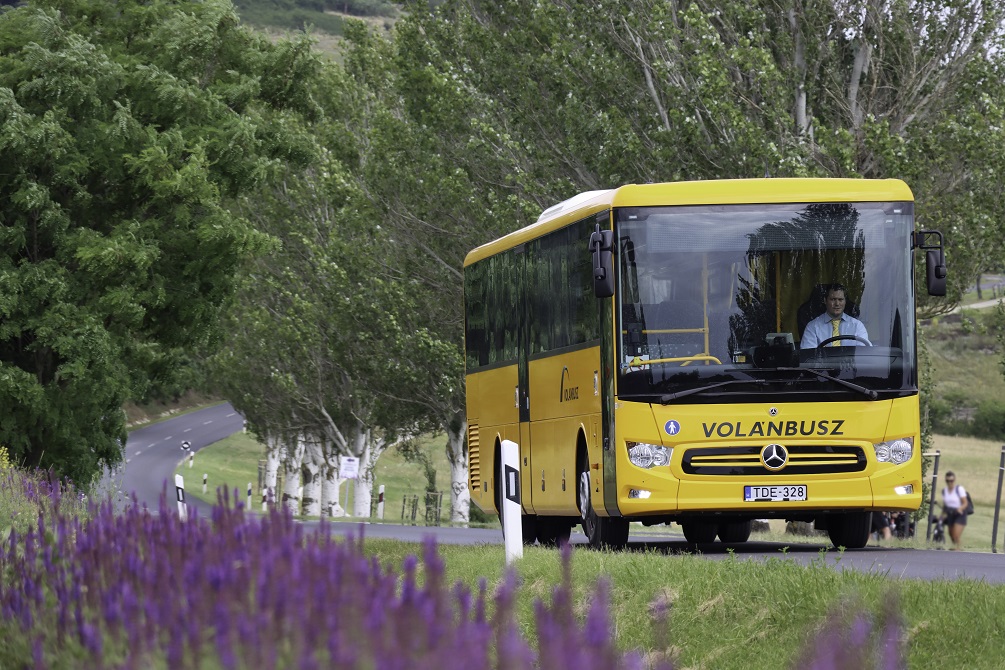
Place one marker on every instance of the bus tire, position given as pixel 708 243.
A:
pixel 735 531
pixel 699 532
pixel 850 530
pixel 553 531
pixel 531 526
pixel 602 532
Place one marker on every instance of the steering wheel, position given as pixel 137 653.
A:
pixel 844 337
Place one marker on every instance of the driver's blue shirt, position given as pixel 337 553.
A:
pixel 820 329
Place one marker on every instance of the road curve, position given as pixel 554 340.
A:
pixel 153 452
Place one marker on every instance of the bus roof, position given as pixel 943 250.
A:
pixel 713 192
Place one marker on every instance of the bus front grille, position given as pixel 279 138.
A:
pixel 746 460
pixel 474 458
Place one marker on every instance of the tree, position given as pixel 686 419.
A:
pixel 320 331
pixel 511 105
pixel 125 131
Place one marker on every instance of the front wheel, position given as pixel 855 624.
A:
pixel 602 532
pixel 699 532
pixel 735 531
pixel 850 530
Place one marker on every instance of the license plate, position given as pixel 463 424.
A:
pixel 780 493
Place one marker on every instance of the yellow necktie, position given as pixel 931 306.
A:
pixel 835 330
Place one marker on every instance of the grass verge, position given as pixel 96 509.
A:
pixel 737 613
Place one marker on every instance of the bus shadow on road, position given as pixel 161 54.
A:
pixel 682 547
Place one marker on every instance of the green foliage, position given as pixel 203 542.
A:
pixel 126 129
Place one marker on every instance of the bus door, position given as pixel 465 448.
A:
pixel 523 382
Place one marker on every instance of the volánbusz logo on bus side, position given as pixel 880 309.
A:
pixel 777 428
pixel 567 394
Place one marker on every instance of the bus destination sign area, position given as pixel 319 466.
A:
pixel 789 492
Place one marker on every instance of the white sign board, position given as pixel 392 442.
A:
pixel 348 467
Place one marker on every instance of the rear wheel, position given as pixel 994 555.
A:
pixel 529 525
pixel 699 532
pixel 850 530
pixel 602 532
pixel 735 531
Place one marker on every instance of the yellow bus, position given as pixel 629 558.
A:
pixel 652 350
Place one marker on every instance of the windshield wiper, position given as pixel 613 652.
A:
pixel 670 397
pixel 871 394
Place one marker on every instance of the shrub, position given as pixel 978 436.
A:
pixel 136 589
pixel 989 420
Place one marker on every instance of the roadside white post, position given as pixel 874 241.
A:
pixel 265 499
pixel 179 486
pixel 205 482
pixel 512 525
pixel 380 502
pixel 249 496
pixel 191 459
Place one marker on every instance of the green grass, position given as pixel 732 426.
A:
pixel 736 613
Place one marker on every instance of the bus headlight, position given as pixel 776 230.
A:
pixel 645 455
pixel 895 451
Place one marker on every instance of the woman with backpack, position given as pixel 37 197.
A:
pixel 954 509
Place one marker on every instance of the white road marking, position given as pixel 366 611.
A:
pixel 206 423
pixel 186 430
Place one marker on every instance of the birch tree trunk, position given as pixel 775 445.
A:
pixel 311 467
pixel 362 449
pixel 457 456
pixel 273 455
pixel 291 477
pixel 330 506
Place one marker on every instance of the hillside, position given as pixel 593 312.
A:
pixel 325 18
pixel 967 372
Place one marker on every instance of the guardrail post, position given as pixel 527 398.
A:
pixel 179 485
pixel 931 496
pixel 380 502
pixel 511 504
pixel 998 502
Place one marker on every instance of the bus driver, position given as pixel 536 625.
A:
pixel 833 323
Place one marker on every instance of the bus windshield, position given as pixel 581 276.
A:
pixel 715 302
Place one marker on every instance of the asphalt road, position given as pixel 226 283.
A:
pixel 153 452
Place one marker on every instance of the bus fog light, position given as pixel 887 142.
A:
pixel 895 451
pixel 645 455
pixel 639 493
pixel 905 490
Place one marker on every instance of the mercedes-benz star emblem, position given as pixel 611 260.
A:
pixel 774 456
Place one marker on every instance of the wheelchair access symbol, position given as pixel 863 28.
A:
pixel 671 427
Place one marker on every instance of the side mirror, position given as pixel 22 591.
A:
pixel 935 266
pixel 602 248
pixel 935 261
